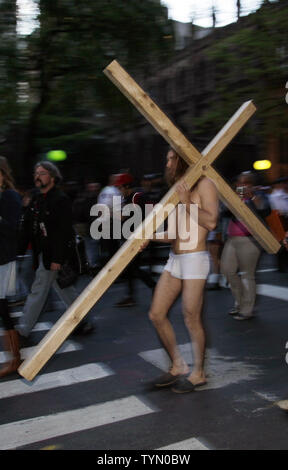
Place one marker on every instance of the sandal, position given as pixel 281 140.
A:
pixel 183 385
pixel 166 380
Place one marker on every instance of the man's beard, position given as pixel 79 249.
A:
pixel 169 176
pixel 41 185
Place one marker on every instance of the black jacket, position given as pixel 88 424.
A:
pixel 47 225
pixel 10 210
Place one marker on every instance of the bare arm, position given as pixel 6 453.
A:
pixel 208 213
pixel 161 237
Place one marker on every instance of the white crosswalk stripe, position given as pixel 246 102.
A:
pixel 188 444
pixel 16 314
pixel 68 346
pixel 21 433
pixel 221 370
pixel 41 326
pixel 55 379
pixel 277 292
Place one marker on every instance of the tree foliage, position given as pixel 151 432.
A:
pixel 66 56
pixel 252 63
pixel 9 71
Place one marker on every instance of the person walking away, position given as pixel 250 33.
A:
pixel 108 247
pixel 125 183
pixel 241 252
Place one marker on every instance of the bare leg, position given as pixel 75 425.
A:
pixel 214 250
pixel 192 306
pixel 166 292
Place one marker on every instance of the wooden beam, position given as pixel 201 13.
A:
pixel 151 112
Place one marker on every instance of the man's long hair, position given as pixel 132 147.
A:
pixel 179 172
pixel 8 182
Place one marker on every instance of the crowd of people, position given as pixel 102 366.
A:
pixel 38 234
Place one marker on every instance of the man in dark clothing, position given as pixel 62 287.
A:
pixel 125 184
pixel 47 225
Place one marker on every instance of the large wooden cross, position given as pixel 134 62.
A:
pixel 199 164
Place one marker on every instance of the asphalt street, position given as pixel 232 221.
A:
pixel 95 393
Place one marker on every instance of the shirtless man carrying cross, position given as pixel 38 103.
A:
pixel 186 271
pixel 201 166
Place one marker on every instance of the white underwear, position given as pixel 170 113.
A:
pixel 189 265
